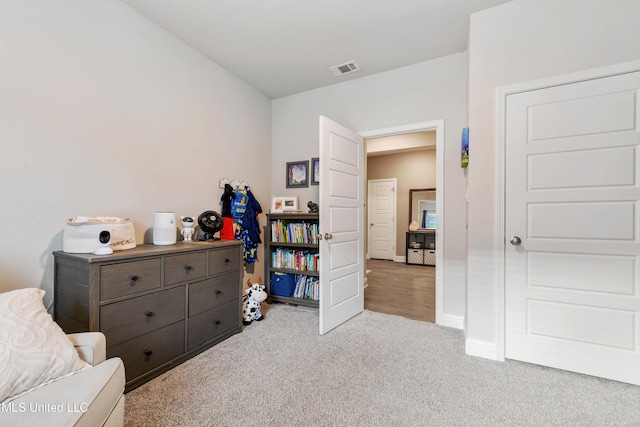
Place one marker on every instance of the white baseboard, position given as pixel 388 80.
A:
pixel 451 321
pixel 484 349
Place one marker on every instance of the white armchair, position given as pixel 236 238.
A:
pixel 93 397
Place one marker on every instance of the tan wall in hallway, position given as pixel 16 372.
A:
pixel 416 169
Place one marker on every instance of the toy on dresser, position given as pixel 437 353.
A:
pixel 187 228
pixel 252 298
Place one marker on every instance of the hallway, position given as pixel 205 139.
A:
pixel 401 289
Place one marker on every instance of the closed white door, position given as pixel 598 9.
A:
pixel 341 224
pixel 382 218
pixel 572 270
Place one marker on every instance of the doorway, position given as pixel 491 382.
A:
pixel 401 277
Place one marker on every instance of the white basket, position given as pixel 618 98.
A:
pixel 430 257
pixel 415 256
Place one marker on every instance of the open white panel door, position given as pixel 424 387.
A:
pixel 341 224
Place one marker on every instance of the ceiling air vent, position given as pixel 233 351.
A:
pixel 347 67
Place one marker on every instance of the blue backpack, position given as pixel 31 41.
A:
pixel 239 204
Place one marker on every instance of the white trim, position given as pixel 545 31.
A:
pixel 501 104
pixel 398 130
pixel 438 126
pixel 484 349
pixel 451 321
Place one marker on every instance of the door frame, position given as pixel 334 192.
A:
pixel 395 215
pixel 438 126
pixel 501 104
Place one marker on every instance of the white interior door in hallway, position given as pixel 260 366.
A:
pixel 382 202
pixel 571 226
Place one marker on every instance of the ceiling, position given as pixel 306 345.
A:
pixel 282 47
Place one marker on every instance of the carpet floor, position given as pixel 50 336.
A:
pixel 375 370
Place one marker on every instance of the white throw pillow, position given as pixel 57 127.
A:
pixel 34 350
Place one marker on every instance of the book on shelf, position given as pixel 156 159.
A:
pixel 294 232
pixel 297 286
pixel 294 260
pixel 307 287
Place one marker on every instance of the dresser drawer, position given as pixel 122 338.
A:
pixel 137 316
pixel 129 278
pixel 211 293
pixel 149 351
pixel 182 268
pixel 224 260
pixel 213 323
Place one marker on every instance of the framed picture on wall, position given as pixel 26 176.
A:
pixel 315 171
pixel 465 148
pixel 298 174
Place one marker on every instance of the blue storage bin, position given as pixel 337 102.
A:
pixel 282 284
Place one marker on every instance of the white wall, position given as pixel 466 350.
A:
pixel 516 42
pixel 104 113
pixel 426 91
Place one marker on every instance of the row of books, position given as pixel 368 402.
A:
pixel 307 287
pixel 294 260
pixel 294 232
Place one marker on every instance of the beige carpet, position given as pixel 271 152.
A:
pixel 375 370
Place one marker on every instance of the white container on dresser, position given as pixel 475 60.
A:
pixel 157 305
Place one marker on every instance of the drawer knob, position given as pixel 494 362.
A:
pixel 216 322
pixel 148 352
pixel 148 313
pixel 188 268
pixel 218 291
pixel 134 279
pixel 226 260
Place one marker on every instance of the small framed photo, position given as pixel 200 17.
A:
pixel 464 157
pixel 298 174
pixel 315 171
pixel 284 204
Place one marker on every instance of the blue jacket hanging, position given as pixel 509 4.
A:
pixel 249 228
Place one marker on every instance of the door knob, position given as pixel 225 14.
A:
pixel 328 236
pixel 515 241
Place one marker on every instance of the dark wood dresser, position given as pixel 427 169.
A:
pixel 157 305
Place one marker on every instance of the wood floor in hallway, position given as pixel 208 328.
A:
pixel 401 289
